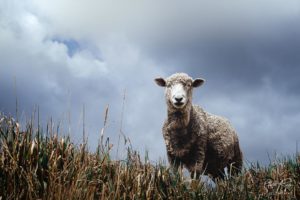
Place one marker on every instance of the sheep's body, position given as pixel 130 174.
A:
pixel 208 141
pixel 200 141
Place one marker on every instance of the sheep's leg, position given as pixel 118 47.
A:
pixel 236 164
pixel 174 162
pixel 197 168
pixel 195 174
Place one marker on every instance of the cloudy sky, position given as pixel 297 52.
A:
pixel 64 54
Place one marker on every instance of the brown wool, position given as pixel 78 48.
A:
pixel 200 141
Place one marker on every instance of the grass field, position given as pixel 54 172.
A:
pixel 41 165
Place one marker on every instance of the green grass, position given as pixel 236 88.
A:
pixel 35 166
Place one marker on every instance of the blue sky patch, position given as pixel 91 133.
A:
pixel 72 45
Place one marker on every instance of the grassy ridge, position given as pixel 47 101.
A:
pixel 34 166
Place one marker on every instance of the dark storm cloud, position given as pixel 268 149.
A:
pixel 247 51
pixel 244 59
pixel 253 79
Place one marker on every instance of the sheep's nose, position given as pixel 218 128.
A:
pixel 178 99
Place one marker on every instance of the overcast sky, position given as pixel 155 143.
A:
pixel 65 54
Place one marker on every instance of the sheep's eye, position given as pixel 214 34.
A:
pixel 168 85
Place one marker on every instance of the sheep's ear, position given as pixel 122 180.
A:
pixel 160 81
pixel 197 82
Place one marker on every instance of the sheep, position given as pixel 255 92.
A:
pixel 202 142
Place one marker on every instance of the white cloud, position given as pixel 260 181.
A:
pixel 49 77
pixel 163 20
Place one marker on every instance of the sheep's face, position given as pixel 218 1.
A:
pixel 179 89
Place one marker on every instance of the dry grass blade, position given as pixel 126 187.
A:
pixel 35 167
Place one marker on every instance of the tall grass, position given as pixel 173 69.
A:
pixel 37 165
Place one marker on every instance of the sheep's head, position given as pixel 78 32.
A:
pixel 179 89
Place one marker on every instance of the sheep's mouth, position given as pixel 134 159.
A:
pixel 179 104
